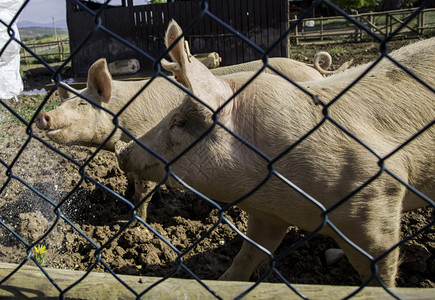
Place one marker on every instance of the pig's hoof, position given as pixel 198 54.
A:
pixel 119 147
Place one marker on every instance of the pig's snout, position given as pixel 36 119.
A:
pixel 44 120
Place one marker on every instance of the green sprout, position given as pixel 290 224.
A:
pixel 40 254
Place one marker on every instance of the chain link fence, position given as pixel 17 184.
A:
pixel 56 203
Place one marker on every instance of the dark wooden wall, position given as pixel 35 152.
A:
pixel 263 22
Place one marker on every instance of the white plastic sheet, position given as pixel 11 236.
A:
pixel 11 83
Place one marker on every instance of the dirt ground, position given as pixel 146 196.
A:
pixel 180 217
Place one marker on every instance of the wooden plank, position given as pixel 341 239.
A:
pixel 197 31
pixel 116 49
pixel 140 33
pixel 278 26
pixel 237 24
pixel 72 32
pixel 224 13
pixel 251 52
pixel 263 25
pixel 284 25
pixel 146 16
pixel 151 30
pixel 270 19
pixel 185 18
pixel 244 15
pixel 274 32
pixel 102 38
pixel 220 34
pixel 171 15
pixel 208 31
pixel 75 37
pixel 160 30
pixel 234 40
pixel 188 16
pixel 30 282
pixel 93 48
pixel 137 32
pixel 170 11
pixel 154 33
pixel 143 31
pixel 135 16
pixel 256 23
pixel 167 17
pixel 214 28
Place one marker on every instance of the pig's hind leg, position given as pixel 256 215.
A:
pixel 250 257
pixel 376 229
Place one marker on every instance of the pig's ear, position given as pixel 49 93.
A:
pixel 177 53
pixel 194 74
pixel 64 94
pixel 100 80
pixel 172 33
pixel 170 66
pixel 173 68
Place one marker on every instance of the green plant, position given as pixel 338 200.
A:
pixel 40 252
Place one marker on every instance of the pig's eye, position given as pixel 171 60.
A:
pixel 83 103
pixel 178 121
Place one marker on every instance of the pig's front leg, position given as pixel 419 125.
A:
pixel 250 257
pixel 141 189
pixel 130 192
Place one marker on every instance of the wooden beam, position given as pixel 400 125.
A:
pixel 30 282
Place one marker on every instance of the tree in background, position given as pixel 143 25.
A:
pixel 390 4
pixel 355 4
pixel 378 4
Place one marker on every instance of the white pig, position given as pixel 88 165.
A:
pixel 303 175
pixel 298 71
pixel 77 122
pixel 323 60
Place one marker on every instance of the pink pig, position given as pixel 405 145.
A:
pixel 296 177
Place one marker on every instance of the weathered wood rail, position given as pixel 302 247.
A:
pixel 30 282
pixel 58 48
pixel 338 28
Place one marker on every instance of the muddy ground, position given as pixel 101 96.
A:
pixel 178 216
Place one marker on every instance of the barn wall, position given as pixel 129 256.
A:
pixel 144 26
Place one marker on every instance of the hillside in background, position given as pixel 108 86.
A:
pixel 58 22
pixel 33 32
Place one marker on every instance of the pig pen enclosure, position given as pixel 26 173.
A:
pixel 67 198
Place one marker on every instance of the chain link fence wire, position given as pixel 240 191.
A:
pixel 8 166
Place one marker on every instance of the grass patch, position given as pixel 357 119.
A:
pixel 25 107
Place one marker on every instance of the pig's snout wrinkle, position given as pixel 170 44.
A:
pixel 44 120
